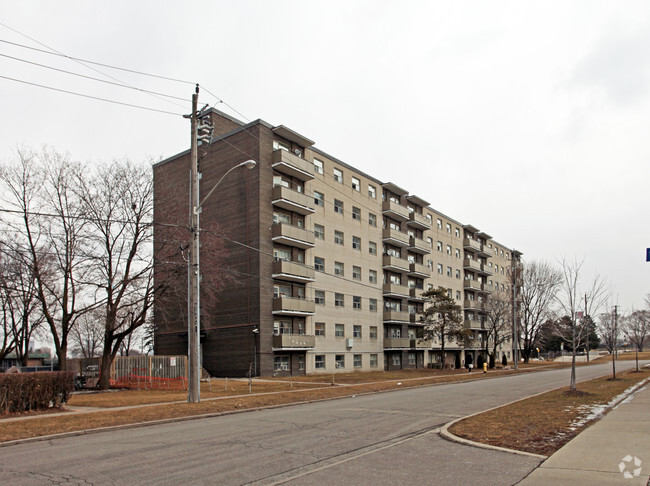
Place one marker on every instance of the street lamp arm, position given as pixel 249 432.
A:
pixel 249 164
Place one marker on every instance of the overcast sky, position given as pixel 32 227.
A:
pixel 529 120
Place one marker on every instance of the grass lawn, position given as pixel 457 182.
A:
pixel 544 423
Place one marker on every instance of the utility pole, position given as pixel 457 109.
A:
pixel 614 344
pixel 194 321
pixel 588 328
pixel 515 349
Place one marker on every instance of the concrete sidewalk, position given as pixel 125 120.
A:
pixel 605 451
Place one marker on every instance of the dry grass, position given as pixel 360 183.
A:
pixel 628 356
pixel 544 423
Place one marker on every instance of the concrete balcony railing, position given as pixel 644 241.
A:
pixel 473 324
pixel 395 315
pixel 395 237
pixel 290 235
pixel 474 305
pixel 395 263
pixel 421 343
pixel 293 306
pixel 396 343
pixel 418 269
pixel 416 294
pixel 395 211
pixel 419 221
pixel 396 289
pixel 473 285
pixel 470 244
pixel 470 264
pixel 291 164
pixel 417 245
pixel 294 341
pixel 293 271
pixel 291 200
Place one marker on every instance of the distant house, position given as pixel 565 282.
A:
pixel 35 362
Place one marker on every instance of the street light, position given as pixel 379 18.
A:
pixel 194 319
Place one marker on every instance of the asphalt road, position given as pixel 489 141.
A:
pixel 386 438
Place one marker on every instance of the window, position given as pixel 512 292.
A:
pixel 448 249
pixel 448 228
pixel 439 223
pixel 339 360
pixel 319 231
pixel 338 300
pixel 279 181
pixel 356 213
pixel 372 276
pixel 338 175
pixel 457 273
pixel 282 254
pixel 356 184
pixel 338 206
pixel 281 327
pixel 439 246
pixel 372 333
pixel 372 191
pixel 281 363
pixel 372 247
pixel 319 198
pixel 339 330
pixel 319 264
pixel 396 359
pixel 356 332
pixel 372 219
pixel 372 305
pixel 448 271
pixel 319 297
pixel 338 237
pixel 458 295
pixel 412 359
pixel 457 233
pixel 281 291
pixel 356 272
pixel 356 243
pixel 356 302
pixel 357 361
pixel 319 362
pixel 318 166
pixel 373 360
pixel 338 269
pixel 449 293
pixel 440 268
pixel 277 145
pixel 319 329
pixel 429 242
pixel 281 218
pixel 457 253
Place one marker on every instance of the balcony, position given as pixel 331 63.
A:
pixel 421 343
pixel 417 245
pixel 419 270
pixel 293 306
pixel 391 315
pixel 395 264
pixel 417 220
pixel 469 264
pixel 472 245
pixel 473 344
pixel 287 234
pixel 395 237
pixel 390 343
pixel 395 211
pixel 292 165
pixel 475 285
pixel 293 271
pixel 416 294
pixel 416 318
pixel 291 200
pixel 474 324
pixel 397 290
pixel 485 270
pixel 474 305
pixel 294 341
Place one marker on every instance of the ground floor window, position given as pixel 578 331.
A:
pixel 301 362
pixel 357 361
pixel 340 361
pixel 412 358
pixel 396 359
pixel 319 362
pixel 373 360
pixel 281 362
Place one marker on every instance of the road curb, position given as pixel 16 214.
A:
pixel 445 434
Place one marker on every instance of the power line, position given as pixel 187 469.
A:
pixel 121 85
pixel 92 97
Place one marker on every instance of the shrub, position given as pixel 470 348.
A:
pixel 22 392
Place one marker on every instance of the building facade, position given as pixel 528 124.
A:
pixel 310 265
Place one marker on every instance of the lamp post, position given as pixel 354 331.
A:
pixel 256 331
pixel 194 319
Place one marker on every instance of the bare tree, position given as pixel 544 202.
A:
pixel 443 318
pixel 608 331
pixel 8 342
pixel 50 231
pixel 87 334
pixel 498 310
pixel 636 328
pixel 539 283
pixel 119 209
pixel 571 301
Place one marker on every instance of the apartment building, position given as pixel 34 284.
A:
pixel 316 266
